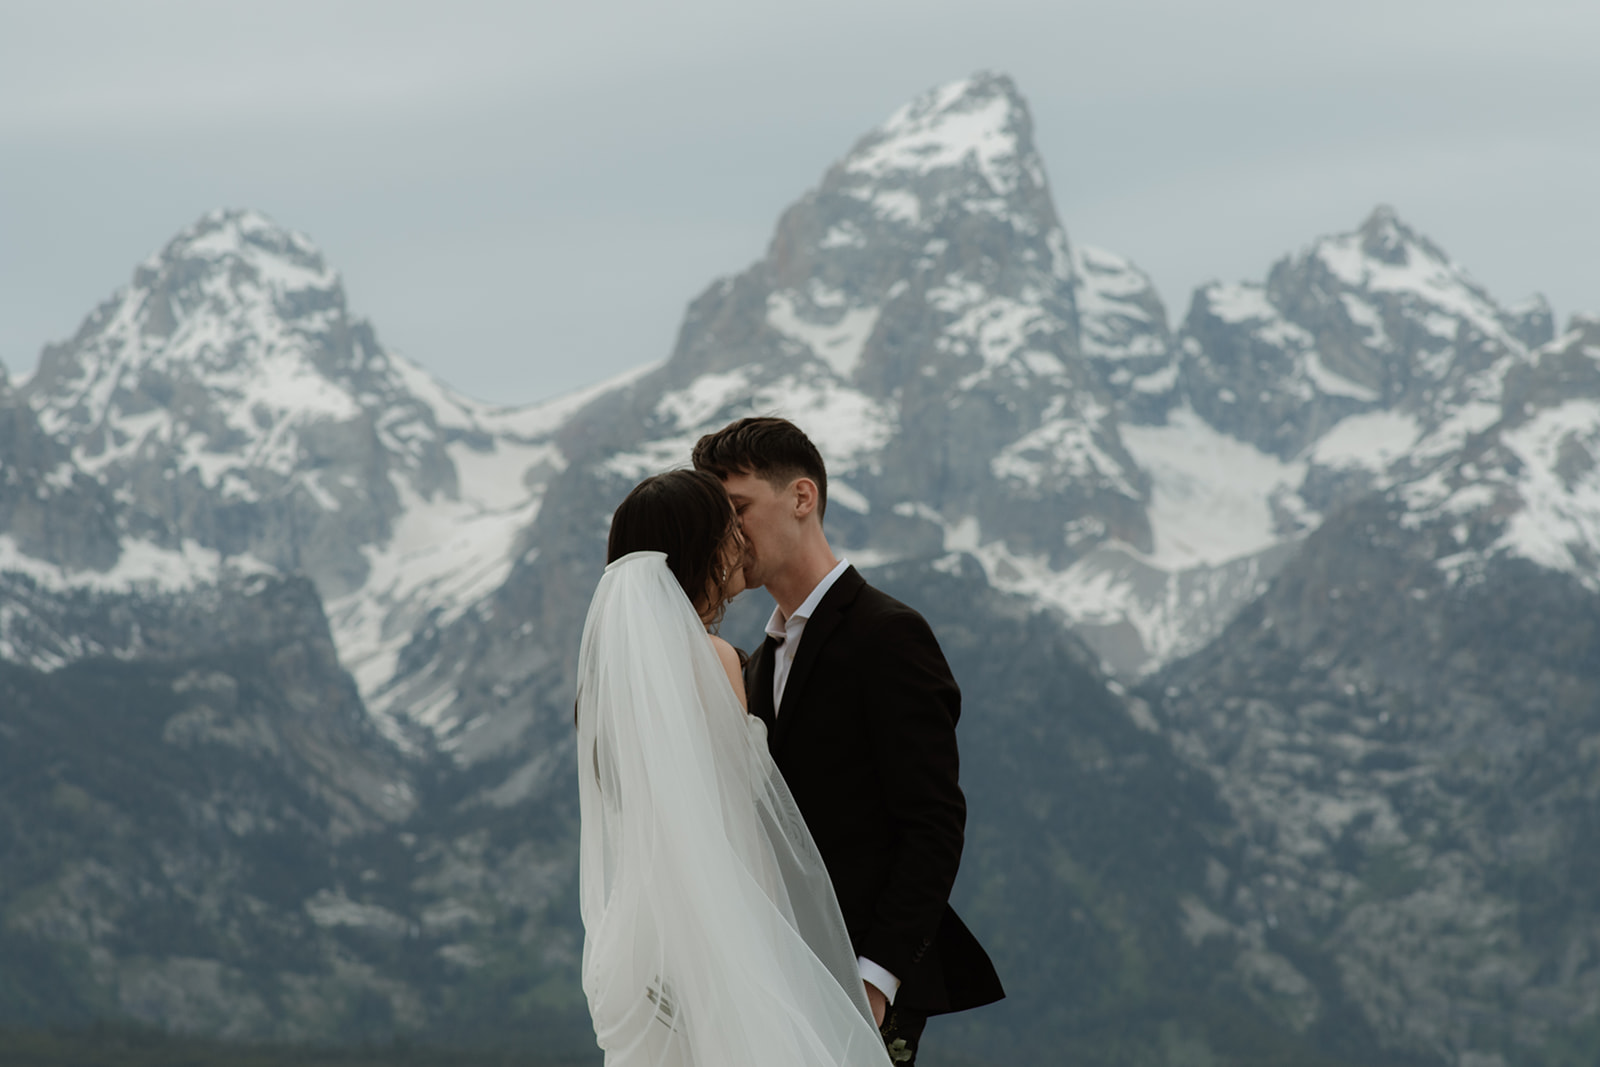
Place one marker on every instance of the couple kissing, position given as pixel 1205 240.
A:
pixel 768 843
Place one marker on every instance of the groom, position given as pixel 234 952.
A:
pixel 861 714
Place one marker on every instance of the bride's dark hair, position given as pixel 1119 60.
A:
pixel 687 515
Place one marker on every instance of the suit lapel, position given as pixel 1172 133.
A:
pixel 818 629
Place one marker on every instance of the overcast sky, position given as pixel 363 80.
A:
pixel 523 197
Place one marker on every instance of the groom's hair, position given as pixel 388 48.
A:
pixel 773 449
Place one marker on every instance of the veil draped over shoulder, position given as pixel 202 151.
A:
pixel 712 933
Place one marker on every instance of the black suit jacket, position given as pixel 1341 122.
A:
pixel 866 739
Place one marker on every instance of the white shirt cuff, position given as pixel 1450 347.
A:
pixel 871 972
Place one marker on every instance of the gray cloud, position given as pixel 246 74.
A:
pixel 523 197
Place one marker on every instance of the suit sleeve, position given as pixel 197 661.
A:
pixel 912 711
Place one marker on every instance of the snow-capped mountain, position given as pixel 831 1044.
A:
pixel 1379 319
pixel 1401 725
pixel 1520 478
pixel 920 308
pixel 1369 355
pixel 925 294
pixel 240 420
pixel 976 381
pixel 234 406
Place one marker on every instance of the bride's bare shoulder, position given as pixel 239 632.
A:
pixel 726 653
pixel 729 657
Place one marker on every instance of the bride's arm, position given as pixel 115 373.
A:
pixel 729 656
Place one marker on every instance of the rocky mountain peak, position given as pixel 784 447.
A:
pixel 1384 237
pixel 228 381
pixel 231 264
pixel 1587 327
pixel 1395 271
pixel 925 293
pixel 1533 321
pixel 939 217
pixel 978 125
pixel 227 239
pixel 234 304
pixel 1376 318
pixel 1564 373
pixel 958 158
pixel 947 181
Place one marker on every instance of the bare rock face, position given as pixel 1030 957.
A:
pixel 1123 333
pixel 166 814
pixel 1407 752
pixel 49 510
pixel 1399 724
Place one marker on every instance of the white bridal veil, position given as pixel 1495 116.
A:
pixel 712 934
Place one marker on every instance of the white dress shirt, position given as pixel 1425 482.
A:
pixel 788 632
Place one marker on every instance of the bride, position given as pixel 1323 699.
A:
pixel 712 936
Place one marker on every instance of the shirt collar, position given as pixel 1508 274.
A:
pixel 778 626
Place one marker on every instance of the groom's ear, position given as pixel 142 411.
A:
pixel 805 497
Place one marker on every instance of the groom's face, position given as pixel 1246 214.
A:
pixel 767 519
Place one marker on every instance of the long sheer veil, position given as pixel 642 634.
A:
pixel 712 933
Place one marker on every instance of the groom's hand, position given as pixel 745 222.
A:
pixel 879 1002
